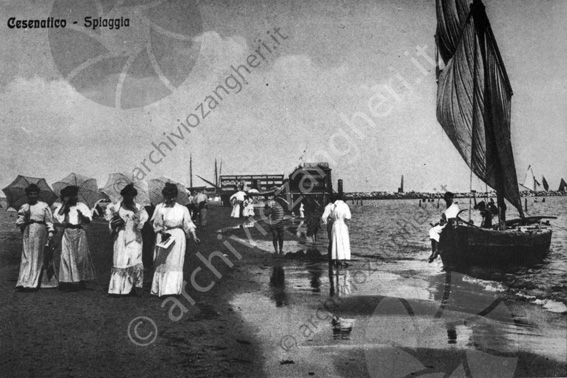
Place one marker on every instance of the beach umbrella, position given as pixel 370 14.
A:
pixel 16 194
pixel 117 181
pixel 156 186
pixel 88 188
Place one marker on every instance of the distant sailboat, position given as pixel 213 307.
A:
pixel 544 182
pixel 562 186
pixel 474 108
pixel 530 182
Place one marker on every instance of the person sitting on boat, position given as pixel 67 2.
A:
pixel 485 213
pixel 492 207
pixel 449 216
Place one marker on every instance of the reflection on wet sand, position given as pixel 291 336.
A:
pixel 315 281
pixel 395 315
pixel 277 285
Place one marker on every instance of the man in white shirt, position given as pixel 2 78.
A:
pixel 237 199
pixel 449 216
pixel 200 202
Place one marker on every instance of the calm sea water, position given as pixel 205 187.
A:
pixel 396 231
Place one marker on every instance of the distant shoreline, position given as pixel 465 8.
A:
pixel 425 195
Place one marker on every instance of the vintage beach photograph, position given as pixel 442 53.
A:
pixel 254 188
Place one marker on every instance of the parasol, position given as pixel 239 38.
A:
pixel 88 189
pixel 117 181
pixel 156 186
pixel 16 195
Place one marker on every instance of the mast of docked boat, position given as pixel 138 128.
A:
pixel 475 71
pixel 483 24
pixel 191 171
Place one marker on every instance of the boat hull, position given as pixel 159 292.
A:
pixel 465 245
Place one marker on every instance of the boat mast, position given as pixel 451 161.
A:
pixel 473 133
pixel 216 177
pixel 191 171
pixel 481 26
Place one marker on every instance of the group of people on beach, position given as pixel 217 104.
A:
pixel 171 223
pixel 36 222
pixel 334 217
pixel 242 203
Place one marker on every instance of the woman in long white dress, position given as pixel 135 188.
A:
pixel 76 264
pixel 237 200
pixel 36 223
pixel 126 220
pixel 340 249
pixel 170 220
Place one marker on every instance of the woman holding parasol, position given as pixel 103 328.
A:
pixel 76 265
pixel 172 223
pixel 126 220
pixel 36 223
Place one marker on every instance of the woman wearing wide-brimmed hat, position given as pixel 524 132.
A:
pixel 172 223
pixel 36 223
pixel 76 264
pixel 126 220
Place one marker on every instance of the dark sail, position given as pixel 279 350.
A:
pixel 562 186
pixel 544 182
pixel 474 96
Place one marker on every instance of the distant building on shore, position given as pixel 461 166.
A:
pixel 229 184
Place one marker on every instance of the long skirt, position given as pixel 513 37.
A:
pixel 340 249
pixel 168 275
pixel 248 211
pixel 127 265
pixel 76 262
pixel 31 265
pixel 235 210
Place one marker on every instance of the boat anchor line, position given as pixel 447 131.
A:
pixel 399 324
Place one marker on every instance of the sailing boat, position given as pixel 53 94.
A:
pixel 544 182
pixel 474 107
pixel 530 182
pixel 562 186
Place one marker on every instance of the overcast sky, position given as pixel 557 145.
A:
pixel 294 105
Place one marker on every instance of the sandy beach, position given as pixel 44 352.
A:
pixel 270 316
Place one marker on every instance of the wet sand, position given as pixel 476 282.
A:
pixel 272 316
